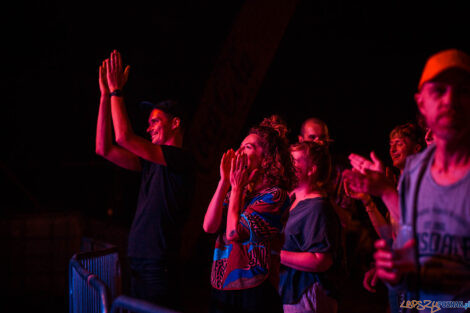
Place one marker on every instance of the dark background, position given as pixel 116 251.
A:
pixel 354 64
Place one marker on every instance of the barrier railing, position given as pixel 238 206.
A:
pixel 87 293
pixel 99 268
pixel 95 281
pixel 137 306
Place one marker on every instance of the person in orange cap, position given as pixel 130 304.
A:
pixel 430 258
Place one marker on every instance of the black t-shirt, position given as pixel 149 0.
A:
pixel 313 226
pixel 163 204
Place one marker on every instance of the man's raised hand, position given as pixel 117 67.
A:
pixel 371 182
pixel 116 77
pixel 103 81
pixel 362 164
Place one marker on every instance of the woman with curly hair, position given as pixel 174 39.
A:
pixel 247 212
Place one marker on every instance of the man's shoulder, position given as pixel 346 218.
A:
pixel 410 178
pixel 178 161
pixel 415 161
pixel 175 149
pixel 178 158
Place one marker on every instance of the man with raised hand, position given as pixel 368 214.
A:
pixel 405 140
pixel 431 255
pixel 166 185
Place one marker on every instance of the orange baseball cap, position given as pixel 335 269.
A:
pixel 443 61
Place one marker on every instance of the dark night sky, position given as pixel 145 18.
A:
pixel 354 64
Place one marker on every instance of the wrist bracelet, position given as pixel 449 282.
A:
pixel 117 93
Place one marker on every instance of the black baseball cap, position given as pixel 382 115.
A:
pixel 169 106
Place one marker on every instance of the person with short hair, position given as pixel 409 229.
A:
pixel 430 259
pixel 166 186
pixel 314 129
pixel 405 140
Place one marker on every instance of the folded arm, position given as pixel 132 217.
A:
pixel 307 261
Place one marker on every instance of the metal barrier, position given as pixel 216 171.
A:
pixel 137 306
pixel 83 298
pixel 98 268
pixel 95 280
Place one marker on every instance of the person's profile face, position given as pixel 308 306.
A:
pixel 159 126
pixel 252 148
pixel 301 165
pixel 445 103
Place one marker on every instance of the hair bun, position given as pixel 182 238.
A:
pixel 277 123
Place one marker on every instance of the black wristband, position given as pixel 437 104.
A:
pixel 117 93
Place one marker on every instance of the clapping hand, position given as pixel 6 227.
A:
pixel 225 165
pixel 116 77
pixel 239 173
pixel 369 177
pixel 103 81
pixel 355 195
pixel 362 164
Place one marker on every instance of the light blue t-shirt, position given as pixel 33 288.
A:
pixel 442 231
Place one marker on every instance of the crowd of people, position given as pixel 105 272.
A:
pixel 281 210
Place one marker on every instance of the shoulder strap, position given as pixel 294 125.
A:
pixel 414 216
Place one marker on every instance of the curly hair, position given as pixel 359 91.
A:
pixel 277 166
pixel 318 155
pixel 410 131
pixel 278 124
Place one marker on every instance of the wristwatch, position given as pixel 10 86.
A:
pixel 117 93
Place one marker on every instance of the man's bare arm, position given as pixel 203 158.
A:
pixel 104 141
pixel 125 136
